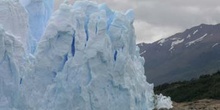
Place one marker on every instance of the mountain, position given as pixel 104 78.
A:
pixel 183 56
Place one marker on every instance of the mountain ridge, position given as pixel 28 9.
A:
pixel 183 56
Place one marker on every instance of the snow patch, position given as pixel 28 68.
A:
pixel 174 38
pixel 175 43
pixel 143 52
pixel 215 45
pixel 197 40
pixel 195 32
pixel 188 36
pixel 162 41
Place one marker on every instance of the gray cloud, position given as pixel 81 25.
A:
pixel 157 19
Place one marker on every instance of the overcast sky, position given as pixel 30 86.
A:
pixel 156 19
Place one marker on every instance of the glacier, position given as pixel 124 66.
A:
pixel 14 19
pixel 39 12
pixel 86 58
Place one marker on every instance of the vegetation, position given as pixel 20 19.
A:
pixel 205 87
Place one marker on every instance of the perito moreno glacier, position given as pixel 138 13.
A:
pixel 79 57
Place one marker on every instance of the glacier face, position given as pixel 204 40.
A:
pixel 14 19
pixel 87 59
pixel 11 64
pixel 39 12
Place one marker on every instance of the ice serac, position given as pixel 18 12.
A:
pixel 14 19
pixel 11 56
pixel 39 12
pixel 13 41
pixel 87 59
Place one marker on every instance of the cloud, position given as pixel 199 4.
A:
pixel 148 33
pixel 160 18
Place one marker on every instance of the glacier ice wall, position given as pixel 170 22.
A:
pixel 14 19
pixel 39 12
pixel 11 64
pixel 86 60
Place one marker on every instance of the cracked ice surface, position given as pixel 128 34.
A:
pixel 86 60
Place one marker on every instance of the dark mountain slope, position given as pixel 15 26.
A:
pixel 183 56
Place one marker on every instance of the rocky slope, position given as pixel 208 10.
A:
pixel 204 104
pixel 183 56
